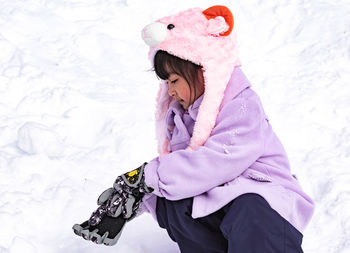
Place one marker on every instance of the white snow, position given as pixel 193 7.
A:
pixel 77 103
pixel 34 138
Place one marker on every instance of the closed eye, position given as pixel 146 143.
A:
pixel 174 81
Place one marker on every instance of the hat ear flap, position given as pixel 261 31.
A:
pixel 223 11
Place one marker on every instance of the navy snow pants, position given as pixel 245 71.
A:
pixel 246 225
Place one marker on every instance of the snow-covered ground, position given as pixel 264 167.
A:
pixel 77 103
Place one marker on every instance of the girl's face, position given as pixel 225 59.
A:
pixel 180 90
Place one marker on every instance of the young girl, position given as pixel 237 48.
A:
pixel 222 181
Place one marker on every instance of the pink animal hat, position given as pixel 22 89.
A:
pixel 205 38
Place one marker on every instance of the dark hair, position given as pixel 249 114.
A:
pixel 165 64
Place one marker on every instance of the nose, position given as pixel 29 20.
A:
pixel 171 91
pixel 154 33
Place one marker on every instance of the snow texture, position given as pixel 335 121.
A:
pixel 77 104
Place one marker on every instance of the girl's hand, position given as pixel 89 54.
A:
pixel 116 206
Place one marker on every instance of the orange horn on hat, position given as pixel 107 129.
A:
pixel 223 11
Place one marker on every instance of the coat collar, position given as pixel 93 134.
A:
pixel 193 109
pixel 238 82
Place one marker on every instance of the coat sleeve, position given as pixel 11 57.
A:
pixel 235 143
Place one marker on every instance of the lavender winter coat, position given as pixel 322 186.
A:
pixel 242 155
